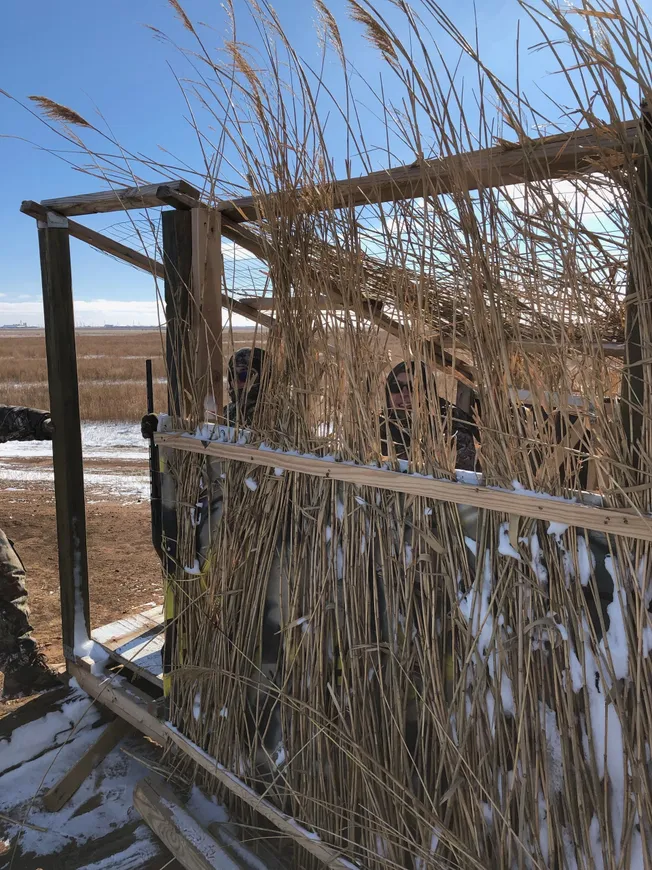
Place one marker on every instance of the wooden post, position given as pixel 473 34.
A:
pixel 193 310
pixel 639 293
pixel 56 276
pixel 177 261
pixel 206 308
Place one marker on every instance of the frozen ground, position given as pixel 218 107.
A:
pixel 115 462
pixel 98 828
pixel 99 441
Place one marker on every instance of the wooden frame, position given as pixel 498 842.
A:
pixel 190 261
pixel 533 505
pixel 537 159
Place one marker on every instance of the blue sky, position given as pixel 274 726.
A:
pixel 93 57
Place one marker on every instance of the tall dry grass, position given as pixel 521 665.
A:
pixel 420 684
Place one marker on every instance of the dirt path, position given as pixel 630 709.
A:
pixel 124 569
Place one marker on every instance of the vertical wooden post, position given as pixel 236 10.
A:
pixel 193 306
pixel 206 308
pixel 639 293
pixel 56 276
pixel 177 259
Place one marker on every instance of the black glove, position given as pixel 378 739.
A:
pixel 148 425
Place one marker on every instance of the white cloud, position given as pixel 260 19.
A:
pixel 95 312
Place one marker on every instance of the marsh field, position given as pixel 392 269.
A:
pixel 123 568
pixel 110 367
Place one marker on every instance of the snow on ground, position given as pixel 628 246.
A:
pixel 118 443
pixel 38 754
pixel 99 441
pixel 96 482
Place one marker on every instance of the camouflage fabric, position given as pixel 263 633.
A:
pixel 24 424
pixel 16 646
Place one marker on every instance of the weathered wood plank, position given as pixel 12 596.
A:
pixel 540 507
pixel 549 157
pixel 144 196
pixel 114 694
pixel 56 276
pixel 193 847
pixel 60 794
pixel 206 308
pixel 121 630
pixel 100 242
pixel 143 654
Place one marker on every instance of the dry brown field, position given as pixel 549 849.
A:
pixel 110 365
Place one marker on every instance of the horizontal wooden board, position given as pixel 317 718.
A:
pixel 114 693
pixel 545 158
pixel 119 199
pixel 137 642
pixel 115 633
pixel 540 507
pixel 134 258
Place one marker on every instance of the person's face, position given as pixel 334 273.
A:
pixel 401 391
pixel 245 377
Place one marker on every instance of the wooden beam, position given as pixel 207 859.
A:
pixel 114 694
pixel 120 199
pixel 135 258
pixel 249 240
pixel 206 308
pixel 190 844
pixel 100 242
pixel 59 795
pixel 535 506
pixel 545 158
pixel 268 303
pixel 56 277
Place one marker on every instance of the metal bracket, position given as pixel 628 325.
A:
pixel 53 221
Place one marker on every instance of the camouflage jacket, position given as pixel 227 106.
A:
pixel 24 424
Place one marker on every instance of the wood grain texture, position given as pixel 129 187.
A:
pixel 549 157
pixel 607 520
pixel 56 277
pixel 120 199
pixel 191 845
pixel 115 694
pixel 116 633
pixel 60 794
pixel 206 307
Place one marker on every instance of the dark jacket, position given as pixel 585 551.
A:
pixel 396 424
pixel 24 424
pixel 242 404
